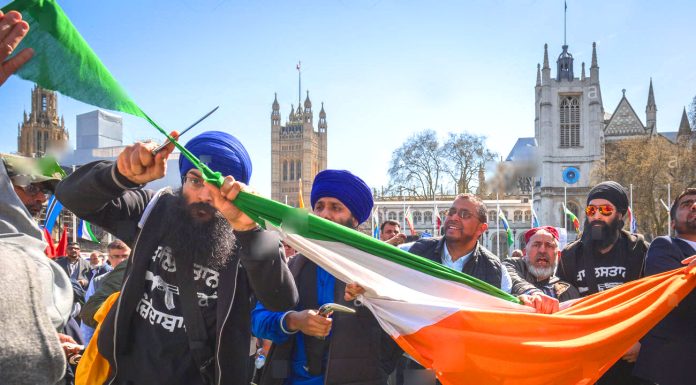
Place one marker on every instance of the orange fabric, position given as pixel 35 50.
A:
pixel 574 346
pixel 93 367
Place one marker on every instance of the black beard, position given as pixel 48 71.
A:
pixel 209 243
pixel 600 235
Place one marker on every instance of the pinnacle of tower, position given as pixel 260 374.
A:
pixel 538 81
pixel 594 55
pixel 684 127
pixel 276 106
pixel 292 113
pixel 565 65
pixel 299 111
pixel 307 102
pixel 651 96
pixel 582 74
pixel 546 56
pixel 322 113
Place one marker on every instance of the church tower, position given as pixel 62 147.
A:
pixel 569 129
pixel 42 129
pixel 298 151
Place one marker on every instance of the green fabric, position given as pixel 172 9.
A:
pixel 64 62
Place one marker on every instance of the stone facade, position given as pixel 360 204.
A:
pixel 298 152
pixel 42 130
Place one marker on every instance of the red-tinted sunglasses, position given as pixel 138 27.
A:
pixel 605 210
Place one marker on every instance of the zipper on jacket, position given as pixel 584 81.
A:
pixel 222 326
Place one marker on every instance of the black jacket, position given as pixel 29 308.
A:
pixel 482 264
pixel 668 351
pixel 98 193
pixel 563 291
pixel 83 270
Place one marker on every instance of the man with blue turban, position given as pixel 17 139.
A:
pixel 183 312
pixel 305 343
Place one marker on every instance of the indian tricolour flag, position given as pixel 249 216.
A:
pixel 465 330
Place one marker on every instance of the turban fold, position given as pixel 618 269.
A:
pixel 611 191
pixel 352 191
pixel 221 152
pixel 530 233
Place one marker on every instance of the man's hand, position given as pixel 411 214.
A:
pixel 541 302
pixel 69 345
pixel 353 290
pixel 222 201
pixel 139 166
pixel 309 322
pixel 83 282
pixel 397 239
pixel 12 31
pixel 631 354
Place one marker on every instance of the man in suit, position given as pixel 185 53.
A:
pixel 75 266
pixel 668 351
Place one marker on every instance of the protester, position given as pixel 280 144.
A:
pixel 390 232
pixel 613 254
pixel 97 266
pixel 669 349
pixel 76 267
pixel 197 260
pixel 305 343
pixel 538 264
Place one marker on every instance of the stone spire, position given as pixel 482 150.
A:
pixel 275 114
pixel 594 55
pixel 538 80
pixel 651 111
pixel 684 127
pixel 582 74
pixel 594 68
pixel 545 69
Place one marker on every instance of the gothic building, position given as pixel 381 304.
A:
pixel 42 129
pixel 298 152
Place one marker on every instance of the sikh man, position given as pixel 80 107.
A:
pixel 356 350
pixel 606 256
pixel 183 313
pixel 538 264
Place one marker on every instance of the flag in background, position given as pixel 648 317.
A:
pixel 573 218
pixel 62 247
pixel 375 223
pixel 53 209
pixel 84 231
pixel 535 219
pixel 438 221
pixel 508 230
pixel 633 224
pixel 51 248
pixel 409 221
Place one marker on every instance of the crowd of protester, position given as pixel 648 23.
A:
pixel 193 291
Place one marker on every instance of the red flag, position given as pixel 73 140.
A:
pixel 51 248
pixel 62 248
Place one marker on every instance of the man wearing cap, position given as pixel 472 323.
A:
pixel 611 255
pixel 183 313
pixel 311 349
pixel 538 265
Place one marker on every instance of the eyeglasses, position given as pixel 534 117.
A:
pixel 196 183
pixel 32 189
pixel 462 213
pixel 687 203
pixel 605 210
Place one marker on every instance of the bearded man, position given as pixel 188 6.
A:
pixel 183 313
pixel 539 261
pixel 606 256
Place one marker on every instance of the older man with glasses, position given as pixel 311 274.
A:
pixel 612 255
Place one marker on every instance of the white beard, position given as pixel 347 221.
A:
pixel 541 273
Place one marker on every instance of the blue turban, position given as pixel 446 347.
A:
pixel 221 152
pixel 347 188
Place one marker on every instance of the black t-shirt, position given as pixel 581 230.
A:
pixel 161 353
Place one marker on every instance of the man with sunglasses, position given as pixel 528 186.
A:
pixel 668 351
pixel 183 312
pixel 612 255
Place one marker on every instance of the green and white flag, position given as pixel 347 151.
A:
pixel 85 231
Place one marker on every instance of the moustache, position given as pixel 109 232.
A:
pixel 200 206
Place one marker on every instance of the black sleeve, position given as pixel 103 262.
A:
pixel 110 284
pixel 98 193
pixel 261 254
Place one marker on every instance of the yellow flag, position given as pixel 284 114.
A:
pixel 299 193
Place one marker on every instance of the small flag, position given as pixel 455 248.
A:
pixel 62 248
pixel 573 218
pixel 53 209
pixel 633 224
pixel 535 219
pixel 409 221
pixel 51 248
pixel 375 224
pixel 438 221
pixel 299 65
pixel 300 199
pixel 508 230
pixel 85 231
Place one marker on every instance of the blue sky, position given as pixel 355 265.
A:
pixel 384 69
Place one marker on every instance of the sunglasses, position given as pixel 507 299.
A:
pixel 462 213
pixel 35 190
pixel 605 210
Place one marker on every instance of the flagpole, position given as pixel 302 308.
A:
pixel 74 220
pixel 669 212
pixel 497 226
pixel 630 204
pixel 531 205
pixel 565 206
pixel 434 214
pixel 299 85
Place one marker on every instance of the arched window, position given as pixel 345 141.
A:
pixel 299 169
pixel 517 216
pixel 428 217
pixel 570 121
pixel 391 216
pixel 417 217
pixel 292 170
pixel 528 216
pixel 285 170
pixel 569 224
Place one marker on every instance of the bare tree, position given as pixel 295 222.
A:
pixel 417 166
pixel 466 154
pixel 692 113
